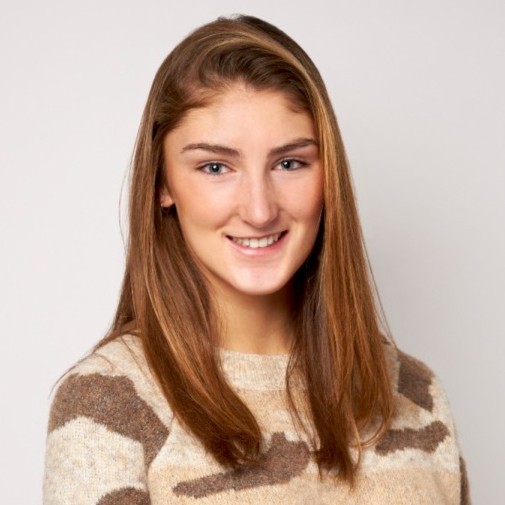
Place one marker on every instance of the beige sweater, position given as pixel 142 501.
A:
pixel 112 440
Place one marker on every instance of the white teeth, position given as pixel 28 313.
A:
pixel 255 243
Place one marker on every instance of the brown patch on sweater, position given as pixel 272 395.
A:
pixel 406 409
pixel 465 487
pixel 112 402
pixel 414 381
pixel 283 461
pixel 426 439
pixel 126 496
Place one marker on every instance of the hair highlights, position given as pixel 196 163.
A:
pixel 338 349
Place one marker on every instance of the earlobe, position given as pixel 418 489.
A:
pixel 166 200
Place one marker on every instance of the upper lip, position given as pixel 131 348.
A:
pixel 257 237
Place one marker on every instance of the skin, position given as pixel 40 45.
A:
pixel 247 166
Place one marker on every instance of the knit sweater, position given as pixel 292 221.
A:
pixel 113 440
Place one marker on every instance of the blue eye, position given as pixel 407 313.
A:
pixel 291 164
pixel 214 168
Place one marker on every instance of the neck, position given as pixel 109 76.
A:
pixel 256 324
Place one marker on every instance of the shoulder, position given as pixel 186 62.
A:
pixel 108 421
pixel 422 416
pixel 411 378
pixel 422 432
pixel 112 387
pixel 415 382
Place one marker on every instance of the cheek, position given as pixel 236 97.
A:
pixel 200 207
pixel 306 199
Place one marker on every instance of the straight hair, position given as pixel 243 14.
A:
pixel 338 349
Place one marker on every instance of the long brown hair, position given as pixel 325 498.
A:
pixel 338 345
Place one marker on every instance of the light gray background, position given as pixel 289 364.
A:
pixel 418 87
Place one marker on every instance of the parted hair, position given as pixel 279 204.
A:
pixel 339 334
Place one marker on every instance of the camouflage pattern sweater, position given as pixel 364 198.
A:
pixel 112 440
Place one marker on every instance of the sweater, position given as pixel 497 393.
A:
pixel 113 440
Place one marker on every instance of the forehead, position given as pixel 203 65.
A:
pixel 243 115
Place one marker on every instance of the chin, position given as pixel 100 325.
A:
pixel 259 287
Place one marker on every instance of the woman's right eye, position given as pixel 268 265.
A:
pixel 214 168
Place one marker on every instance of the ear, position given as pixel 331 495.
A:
pixel 166 199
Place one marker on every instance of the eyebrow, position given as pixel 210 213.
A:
pixel 229 151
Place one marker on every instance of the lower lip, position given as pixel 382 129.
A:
pixel 259 252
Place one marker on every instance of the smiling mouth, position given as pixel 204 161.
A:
pixel 256 243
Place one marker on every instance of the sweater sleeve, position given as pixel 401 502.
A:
pixel 443 409
pixel 102 436
pixel 464 487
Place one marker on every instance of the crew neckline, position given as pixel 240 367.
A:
pixel 251 371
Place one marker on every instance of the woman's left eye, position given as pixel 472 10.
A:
pixel 214 168
pixel 291 164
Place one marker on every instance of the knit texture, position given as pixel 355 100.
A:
pixel 113 440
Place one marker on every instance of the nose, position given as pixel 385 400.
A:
pixel 258 202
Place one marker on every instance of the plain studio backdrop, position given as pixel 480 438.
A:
pixel 418 88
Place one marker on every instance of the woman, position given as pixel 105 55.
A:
pixel 246 362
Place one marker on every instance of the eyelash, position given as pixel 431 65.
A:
pixel 301 164
pixel 204 168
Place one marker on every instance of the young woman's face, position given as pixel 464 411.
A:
pixel 245 177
